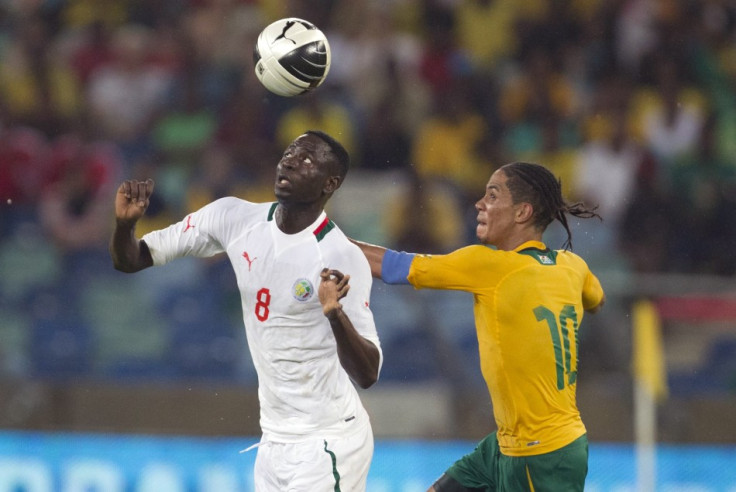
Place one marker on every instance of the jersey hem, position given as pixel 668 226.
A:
pixel 538 450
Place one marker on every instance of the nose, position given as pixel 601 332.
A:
pixel 287 162
pixel 479 205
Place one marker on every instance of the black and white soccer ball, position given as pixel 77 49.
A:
pixel 291 57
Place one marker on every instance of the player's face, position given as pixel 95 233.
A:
pixel 303 173
pixel 496 212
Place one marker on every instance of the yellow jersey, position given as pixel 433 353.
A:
pixel 528 305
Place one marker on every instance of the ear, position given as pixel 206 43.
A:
pixel 332 183
pixel 524 212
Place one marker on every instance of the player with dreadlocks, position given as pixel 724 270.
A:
pixel 528 305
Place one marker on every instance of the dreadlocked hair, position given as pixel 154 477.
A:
pixel 536 185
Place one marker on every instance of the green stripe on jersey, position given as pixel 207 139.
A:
pixel 272 211
pixel 322 231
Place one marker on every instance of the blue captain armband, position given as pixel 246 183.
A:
pixel 395 266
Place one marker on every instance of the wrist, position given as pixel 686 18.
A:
pixel 332 311
pixel 126 224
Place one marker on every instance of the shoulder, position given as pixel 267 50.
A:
pixel 235 203
pixel 336 245
pixel 331 238
pixel 472 250
pixel 465 258
pixel 572 259
pixel 476 252
pixel 570 256
pixel 237 207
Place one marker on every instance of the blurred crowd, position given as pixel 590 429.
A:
pixel 631 102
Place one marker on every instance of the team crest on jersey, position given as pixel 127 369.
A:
pixel 302 290
pixel 546 260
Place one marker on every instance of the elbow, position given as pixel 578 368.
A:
pixel 129 257
pixel 123 268
pixel 598 307
pixel 369 373
pixel 370 377
pixel 118 264
pixel 129 262
pixel 367 381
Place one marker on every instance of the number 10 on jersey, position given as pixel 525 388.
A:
pixel 558 327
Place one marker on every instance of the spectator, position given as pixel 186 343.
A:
pixel 609 160
pixel 320 111
pixel 24 163
pixel 425 218
pixel 74 208
pixel 125 96
pixel 445 145
pixel 704 183
pixel 389 125
pixel 442 61
pixel 39 88
pixel 488 30
pixel 670 114
pixel 94 51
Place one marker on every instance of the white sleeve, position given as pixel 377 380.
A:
pixel 200 234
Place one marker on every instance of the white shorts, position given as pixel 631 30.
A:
pixel 316 465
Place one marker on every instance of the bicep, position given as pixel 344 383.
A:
pixel 459 270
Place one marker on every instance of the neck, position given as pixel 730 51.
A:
pixel 291 219
pixel 515 240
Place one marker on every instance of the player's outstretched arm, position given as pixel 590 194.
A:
pixel 374 255
pixel 128 253
pixel 359 357
pixel 390 266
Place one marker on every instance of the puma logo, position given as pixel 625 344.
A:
pixel 288 26
pixel 247 258
pixel 189 224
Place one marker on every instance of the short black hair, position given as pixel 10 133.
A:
pixel 337 149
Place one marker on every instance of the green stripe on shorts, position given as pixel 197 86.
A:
pixel 334 468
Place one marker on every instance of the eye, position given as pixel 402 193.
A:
pixel 308 160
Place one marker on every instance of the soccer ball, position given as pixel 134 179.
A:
pixel 291 57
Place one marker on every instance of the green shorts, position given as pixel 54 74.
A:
pixel 486 468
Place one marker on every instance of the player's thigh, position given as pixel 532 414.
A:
pixel 476 471
pixel 266 472
pixel 315 465
pixel 351 458
pixel 564 469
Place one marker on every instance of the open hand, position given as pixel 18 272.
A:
pixel 333 286
pixel 132 200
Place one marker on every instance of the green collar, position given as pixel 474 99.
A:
pixel 544 256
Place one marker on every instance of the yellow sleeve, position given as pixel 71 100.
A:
pixel 592 291
pixel 459 270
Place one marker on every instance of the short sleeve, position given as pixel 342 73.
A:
pixel 592 291
pixel 201 234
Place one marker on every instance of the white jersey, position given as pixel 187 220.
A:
pixel 303 389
